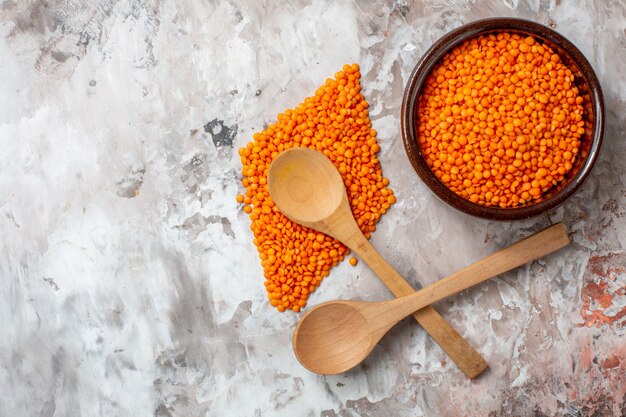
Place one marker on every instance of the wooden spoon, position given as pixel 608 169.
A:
pixel 336 336
pixel 307 188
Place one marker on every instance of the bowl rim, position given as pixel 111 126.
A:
pixel 432 56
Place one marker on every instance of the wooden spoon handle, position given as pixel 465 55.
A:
pixel 533 247
pixel 460 351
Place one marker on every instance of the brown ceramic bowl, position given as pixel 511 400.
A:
pixel 585 80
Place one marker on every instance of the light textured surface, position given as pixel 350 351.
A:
pixel 129 285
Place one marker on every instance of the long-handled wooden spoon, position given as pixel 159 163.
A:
pixel 336 336
pixel 307 188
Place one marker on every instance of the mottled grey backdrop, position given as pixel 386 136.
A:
pixel 129 285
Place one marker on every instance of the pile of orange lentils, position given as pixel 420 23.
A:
pixel 335 121
pixel 500 119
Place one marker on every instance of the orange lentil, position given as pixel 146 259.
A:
pixel 353 261
pixel 335 121
pixel 516 119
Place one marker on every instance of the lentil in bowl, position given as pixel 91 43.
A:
pixel 509 100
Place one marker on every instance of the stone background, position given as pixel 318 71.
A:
pixel 129 285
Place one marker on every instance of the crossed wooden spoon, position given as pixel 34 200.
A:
pixel 336 336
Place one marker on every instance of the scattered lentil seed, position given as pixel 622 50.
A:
pixel 335 121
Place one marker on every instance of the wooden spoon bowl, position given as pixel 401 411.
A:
pixel 306 186
pixel 325 350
